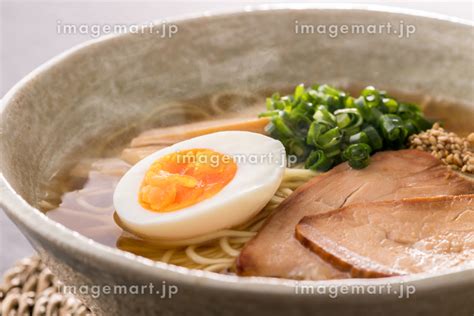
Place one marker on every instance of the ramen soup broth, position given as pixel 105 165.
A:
pixel 83 200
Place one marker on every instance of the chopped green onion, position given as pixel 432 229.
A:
pixel 393 128
pixel 348 118
pixel 296 147
pixel 318 161
pixel 412 112
pixel 410 126
pixel 333 152
pixel 375 140
pixel 358 138
pixel 281 129
pixel 299 92
pixel 358 155
pixel 323 126
pixel 322 115
pixel 390 104
pixel 329 139
pixel 408 108
pixel 315 131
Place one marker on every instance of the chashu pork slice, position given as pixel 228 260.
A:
pixel 275 252
pixel 389 238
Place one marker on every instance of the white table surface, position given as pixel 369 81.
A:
pixel 28 37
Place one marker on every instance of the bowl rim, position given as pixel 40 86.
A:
pixel 35 220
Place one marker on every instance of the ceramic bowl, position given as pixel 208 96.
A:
pixel 112 83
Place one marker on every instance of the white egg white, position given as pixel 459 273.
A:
pixel 255 182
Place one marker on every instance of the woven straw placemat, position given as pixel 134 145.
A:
pixel 29 288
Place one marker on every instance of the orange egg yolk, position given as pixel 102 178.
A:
pixel 184 178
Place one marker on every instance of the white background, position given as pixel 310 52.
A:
pixel 28 37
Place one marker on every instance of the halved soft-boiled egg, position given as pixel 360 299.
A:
pixel 200 185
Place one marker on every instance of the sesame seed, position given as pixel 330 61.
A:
pixel 453 150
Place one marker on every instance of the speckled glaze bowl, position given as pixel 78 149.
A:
pixel 113 83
